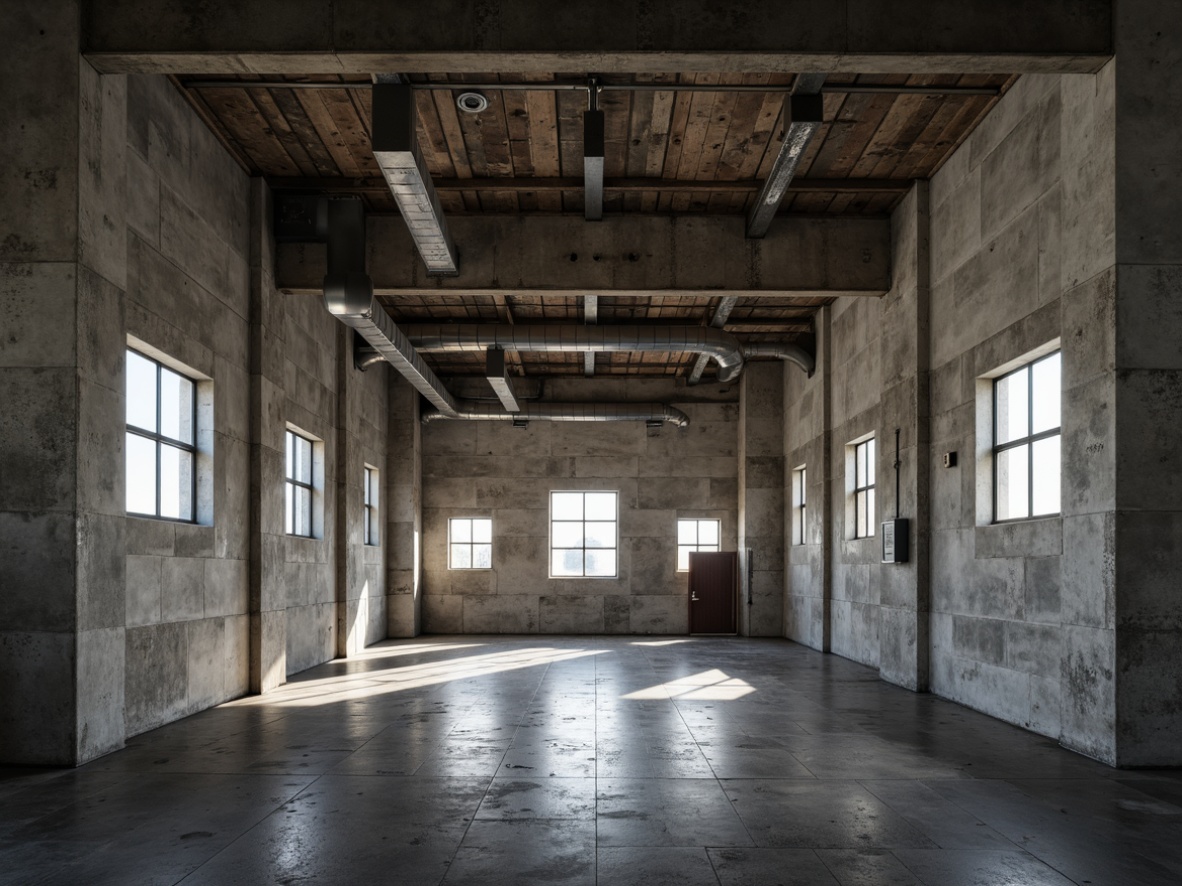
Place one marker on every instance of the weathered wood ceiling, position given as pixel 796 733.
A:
pixel 666 151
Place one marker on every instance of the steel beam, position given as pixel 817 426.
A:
pixel 802 117
pixel 396 148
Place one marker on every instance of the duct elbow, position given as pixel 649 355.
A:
pixel 729 371
pixel 349 296
pixel 787 352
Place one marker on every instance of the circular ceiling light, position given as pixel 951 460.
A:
pixel 471 102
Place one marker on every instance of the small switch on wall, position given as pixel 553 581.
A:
pixel 949 459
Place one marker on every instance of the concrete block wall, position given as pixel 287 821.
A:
pixel 761 500
pixel 490 469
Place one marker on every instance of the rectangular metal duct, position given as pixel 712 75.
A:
pixel 803 114
pixel 396 148
pixel 593 151
pixel 497 374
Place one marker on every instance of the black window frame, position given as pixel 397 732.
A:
pixel 163 440
pixel 1029 440
pixel 698 545
pixel 867 488
pixel 370 534
pixel 310 486
pixel 615 548
pixel 799 510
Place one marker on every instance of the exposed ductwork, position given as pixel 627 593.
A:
pixel 487 411
pixel 792 353
pixel 723 347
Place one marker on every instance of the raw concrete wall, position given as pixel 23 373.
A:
pixel 490 469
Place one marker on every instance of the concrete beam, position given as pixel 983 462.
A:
pixel 632 255
pixel 631 36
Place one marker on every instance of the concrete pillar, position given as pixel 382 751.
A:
pixel 268 593
pixel 904 587
pixel 349 554
pixel 761 499
pixel 404 604
pixel 1147 378
pixel 63 270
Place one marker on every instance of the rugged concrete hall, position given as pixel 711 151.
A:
pixel 381 382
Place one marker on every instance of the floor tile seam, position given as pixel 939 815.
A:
pixel 866 787
pixel 246 831
pixel 1025 852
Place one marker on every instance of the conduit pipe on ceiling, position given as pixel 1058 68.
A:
pixel 723 347
pixel 647 412
pixel 791 353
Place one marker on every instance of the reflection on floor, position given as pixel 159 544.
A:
pixel 492 760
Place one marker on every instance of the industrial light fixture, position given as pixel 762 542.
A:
pixel 396 149
pixel 593 144
pixel 471 102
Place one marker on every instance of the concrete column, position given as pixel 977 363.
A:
pixel 405 511
pixel 63 273
pixel 761 500
pixel 1147 378
pixel 268 593
pixel 904 587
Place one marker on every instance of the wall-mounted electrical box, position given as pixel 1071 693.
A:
pixel 895 541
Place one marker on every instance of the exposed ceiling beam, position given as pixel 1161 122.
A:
pixel 396 149
pixel 722 311
pixel 590 317
pixel 496 370
pixel 802 117
pixel 626 185
pixel 632 254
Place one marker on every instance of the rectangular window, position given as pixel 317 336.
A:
pixel 161 440
pixel 799 494
pixel 864 489
pixel 583 534
pixel 370 530
pixel 299 485
pixel 469 543
pixel 1026 419
pixel 696 535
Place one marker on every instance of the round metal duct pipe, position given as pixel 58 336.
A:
pixel 792 353
pixel 647 412
pixel 723 347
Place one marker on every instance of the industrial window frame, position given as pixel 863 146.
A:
pixel 293 484
pixel 799 503
pixel 471 544
pixel 1028 440
pixel 163 440
pixel 370 530
pixel 697 545
pixel 864 486
pixel 583 548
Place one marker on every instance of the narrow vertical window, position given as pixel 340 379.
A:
pixel 799 505
pixel 864 489
pixel 370 529
pixel 583 534
pixel 299 485
pixel 469 543
pixel 1026 436
pixel 161 441
pixel 696 535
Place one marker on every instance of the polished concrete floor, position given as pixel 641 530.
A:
pixel 489 760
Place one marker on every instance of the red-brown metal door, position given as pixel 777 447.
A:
pixel 713 586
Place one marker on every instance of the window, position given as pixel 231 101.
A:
pixel 799 494
pixel 696 535
pixel 161 440
pixel 299 485
pixel 1026 440
pixel 370 529
pixel 864 489
pixel 469 543
pixel 583 534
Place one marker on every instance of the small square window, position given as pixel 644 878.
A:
pixel 469 543
pixel 161 442
pixel 696 535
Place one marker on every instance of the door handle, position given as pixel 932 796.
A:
pixel 694 598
